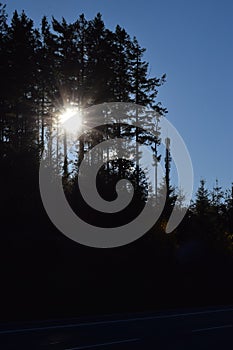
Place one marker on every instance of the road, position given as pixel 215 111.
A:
pixel 181 329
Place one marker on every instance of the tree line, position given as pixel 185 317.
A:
pixel 60 64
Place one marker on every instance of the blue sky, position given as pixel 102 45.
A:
pixel 190 41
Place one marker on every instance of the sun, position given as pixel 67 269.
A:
pixel 71 119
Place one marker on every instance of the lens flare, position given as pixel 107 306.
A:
pixel 71 119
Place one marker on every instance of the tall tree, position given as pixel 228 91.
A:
pixel 202 204
pixel 47 77
pixel 3 74
pixel 21 70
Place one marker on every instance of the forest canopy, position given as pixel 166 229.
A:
pixel 43 72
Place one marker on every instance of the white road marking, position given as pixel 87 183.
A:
pixel 99 323
pixel 105 344
pixel 211 328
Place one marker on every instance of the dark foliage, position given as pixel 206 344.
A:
pixel 45 275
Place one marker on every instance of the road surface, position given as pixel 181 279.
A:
pixel 210 328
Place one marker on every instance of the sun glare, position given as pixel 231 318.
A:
pixel 71 119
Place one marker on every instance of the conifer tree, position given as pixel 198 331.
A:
pixel 202 204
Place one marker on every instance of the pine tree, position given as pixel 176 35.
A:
pixel 217 197
pixel 3 74
pixel 100 62
pixel 21 74
pixel 47 92
pixel 144 92
pixel 121 83
pixel 202 204
pixel 228 204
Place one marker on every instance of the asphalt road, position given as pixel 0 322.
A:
pixel 181 329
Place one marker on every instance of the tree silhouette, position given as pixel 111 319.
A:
pixel 44 71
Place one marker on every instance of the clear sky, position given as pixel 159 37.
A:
pixel 192 42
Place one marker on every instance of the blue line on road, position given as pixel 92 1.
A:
pixel 212 328
pixel 99 323
pixel 105 344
